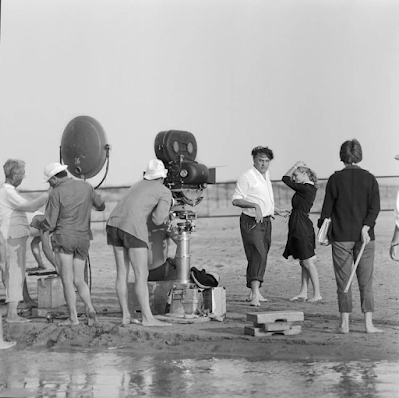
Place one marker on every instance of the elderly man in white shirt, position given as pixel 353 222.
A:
pixel 254 194
pixel 394 249
pixel 15 229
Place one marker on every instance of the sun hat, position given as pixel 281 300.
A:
pixel 52 169
pixel 203 279
pixel 155 169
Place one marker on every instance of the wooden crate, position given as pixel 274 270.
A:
pixel 271 323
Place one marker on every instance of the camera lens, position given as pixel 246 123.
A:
pixel 190 147
pixel 176 146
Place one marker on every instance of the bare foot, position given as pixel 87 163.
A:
pixel 17 319
pixel 155 322
pixel 315 299
pixel 254 303
pixel 128 321
pixel 68 322
pixel 342 329
pixel 29 304
pixel 261 298
pixel 7 344
pixel 92 318
pixel 299 298
pixel 373 329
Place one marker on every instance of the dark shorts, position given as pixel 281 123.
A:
pixel 74 245
pixel 117 237
pixel 165 272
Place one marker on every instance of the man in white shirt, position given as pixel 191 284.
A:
pixel 254 194
pixel 15 229
pixel 394 250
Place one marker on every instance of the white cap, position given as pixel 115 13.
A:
pixel 155 169
pixel 52 169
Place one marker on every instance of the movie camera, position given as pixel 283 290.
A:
pixel 187 179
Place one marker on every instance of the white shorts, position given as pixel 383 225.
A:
pixel 14 272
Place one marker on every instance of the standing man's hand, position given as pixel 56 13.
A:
pixel 281 212
pixel 258 214
pixel 394 251
pixel 365 234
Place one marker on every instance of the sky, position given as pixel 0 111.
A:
pixel 298 76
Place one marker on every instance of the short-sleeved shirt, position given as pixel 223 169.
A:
pixel 68 210
pixel 13 223
pixel 145 198
pixel 255 188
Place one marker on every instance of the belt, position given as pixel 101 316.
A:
pixel 265 217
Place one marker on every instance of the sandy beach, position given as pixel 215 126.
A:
pixel 216 246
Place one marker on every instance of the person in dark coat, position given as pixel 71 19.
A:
pixel 301 240
pixel 352 202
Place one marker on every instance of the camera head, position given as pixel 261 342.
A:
pixel 186 178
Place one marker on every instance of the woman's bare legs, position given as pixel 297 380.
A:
pixel 303 294
pixel 309 265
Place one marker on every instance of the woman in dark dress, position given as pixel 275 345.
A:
pixel 301 240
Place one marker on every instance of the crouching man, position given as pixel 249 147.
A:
pixel 160 243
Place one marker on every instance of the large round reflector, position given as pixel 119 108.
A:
pixel 84 147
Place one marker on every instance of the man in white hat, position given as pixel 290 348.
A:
pixel 67 216
pixel 15 230
pixel 127 232
pixel 394 250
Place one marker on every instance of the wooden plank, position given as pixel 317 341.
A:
pixel 275 326
pixel 269 317
pixel 253 331
pixel 259 332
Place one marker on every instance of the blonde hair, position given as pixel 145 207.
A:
pixel 310 173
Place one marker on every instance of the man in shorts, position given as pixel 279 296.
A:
pixel 127 232
pixel 67 216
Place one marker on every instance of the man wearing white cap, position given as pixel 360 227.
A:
pixel 127 232
pixel 394 250
pixel 67 216
pixel 15 229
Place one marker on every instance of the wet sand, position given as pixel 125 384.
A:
pixel 216 246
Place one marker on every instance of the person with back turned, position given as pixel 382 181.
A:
pixel 127 232
pixel 352 202
pixel 67 216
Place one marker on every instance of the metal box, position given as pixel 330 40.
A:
pixel 50 293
